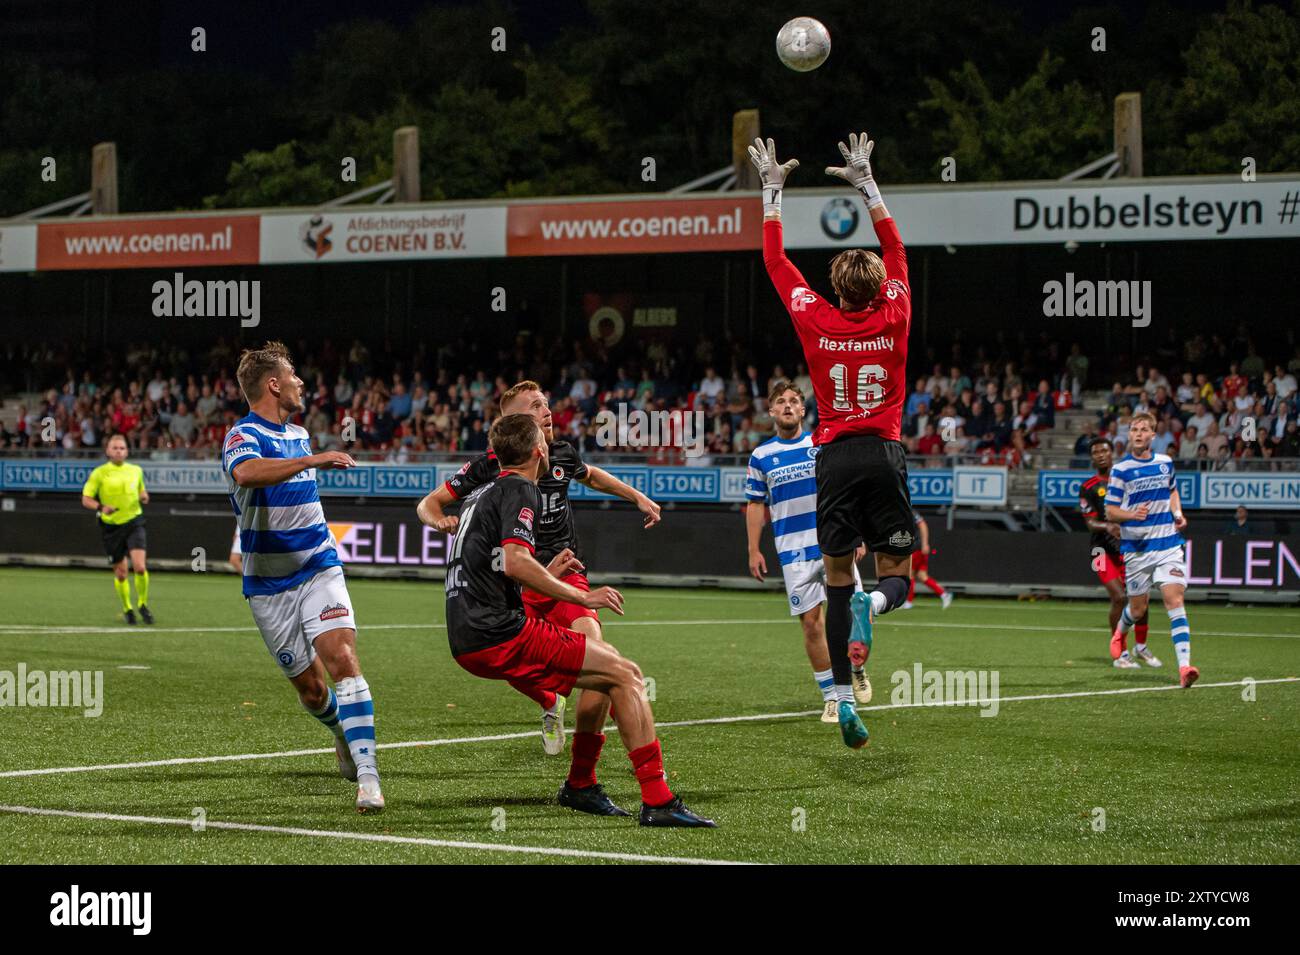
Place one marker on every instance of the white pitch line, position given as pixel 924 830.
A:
pixel 44 630
pixel 370 837
pixel 708 721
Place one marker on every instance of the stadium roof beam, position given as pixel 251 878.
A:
pixel 81 200
pixel 385 189
pixel 723 173
pixel 1110 157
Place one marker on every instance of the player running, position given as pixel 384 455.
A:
pixel 857 355
pixel 293 578
pixel 781 480
pixel 920 569
pixel 115 491
pixel 1107 559
pixel 492 637
pixel 1143 499
pixel 556 534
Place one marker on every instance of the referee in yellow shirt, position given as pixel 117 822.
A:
pixel 116 490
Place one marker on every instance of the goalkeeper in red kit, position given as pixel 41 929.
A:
pixel 857 356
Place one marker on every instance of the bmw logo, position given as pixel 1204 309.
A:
pixel 839 218
pixel 285 658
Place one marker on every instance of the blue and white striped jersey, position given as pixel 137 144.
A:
pixel 1149 481
pixel 783 474
pixel 282 529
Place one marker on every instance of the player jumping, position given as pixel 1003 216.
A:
pixel 492 637
pixel 556 533
pixel 1107 558
pixel 857 354
pixel 781 480
pixel 293 578
pixel 1143 499
pixel 921 566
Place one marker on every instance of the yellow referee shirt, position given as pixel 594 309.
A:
pixel 118 486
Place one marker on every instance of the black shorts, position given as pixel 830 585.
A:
pixel 120 538
pixel 862 496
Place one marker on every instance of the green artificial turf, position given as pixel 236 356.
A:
pixel 1182 776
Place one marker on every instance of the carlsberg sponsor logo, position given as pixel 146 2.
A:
pixel 134 909
pixel 79 689
pixel 921 687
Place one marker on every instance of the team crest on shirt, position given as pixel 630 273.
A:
pixel 814 451
pixel 1164 469
pixel 801 298
pixel 526 517
pixel 557 472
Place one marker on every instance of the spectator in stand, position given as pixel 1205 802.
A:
pixel 930 443
pixel 1188 445
pixel 1239 524
pixel 1215 441
pixel 1202 420
pixel 711 389
pixel 1163 439
pixel 183 427
pixel 1076 367
pixel 1044 406
pixel 476 439
pixel 399 404
pixel 918 397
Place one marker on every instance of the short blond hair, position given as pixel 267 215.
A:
pixel 1146 416
pixel 856 276
pixel 517 389
pixel 256 363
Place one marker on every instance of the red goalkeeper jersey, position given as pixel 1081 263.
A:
pixel 857 360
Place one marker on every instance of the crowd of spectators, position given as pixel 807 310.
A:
pixel 169 400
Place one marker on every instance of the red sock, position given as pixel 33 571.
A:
pixel 1140 633
pixel 543 698
pixel 911 589
pixel 933 585
pixel 648 764
pixel 586 750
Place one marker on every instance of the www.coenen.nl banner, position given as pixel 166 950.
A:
pixel 1148 210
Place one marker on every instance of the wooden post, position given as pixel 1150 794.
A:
pixel 406 164
pixel 1128 134
pixel 744 130
pixel 103 179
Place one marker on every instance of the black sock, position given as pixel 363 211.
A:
pixel 839 623
pixel 895 591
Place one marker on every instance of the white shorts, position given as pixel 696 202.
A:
pixel 1159 568
pixel 805 585
pixel 291 621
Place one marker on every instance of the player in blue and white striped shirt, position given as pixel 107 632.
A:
pixel 1143 499
pixel 293 577
pixel 781 476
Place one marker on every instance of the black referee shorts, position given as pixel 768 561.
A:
pixel 120 538
pixel 862 496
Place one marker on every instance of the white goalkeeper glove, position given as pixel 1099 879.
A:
pixel 856 170
pixel 770 174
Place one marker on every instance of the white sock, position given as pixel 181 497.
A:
pixel 843 694
pixel 357 717
pixel 826 683
pixel 1181 634
pixel 878 602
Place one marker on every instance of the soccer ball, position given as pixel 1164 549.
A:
pixel 803 44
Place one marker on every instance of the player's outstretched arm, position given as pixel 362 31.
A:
pixel 522 567
pixel 264 472
pixel 856 171
pixel 780 269
pixel 432 510
pixel 598 479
